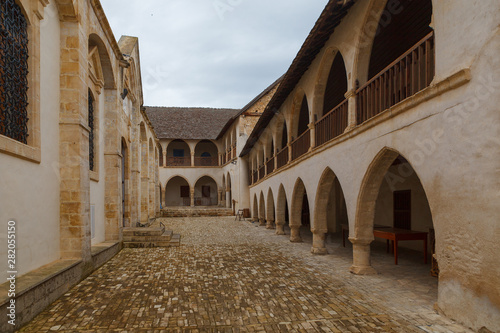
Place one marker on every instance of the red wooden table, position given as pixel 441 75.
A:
pixel 395 235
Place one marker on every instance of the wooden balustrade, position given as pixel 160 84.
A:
pixel 206 161
pixel 404 77
pixel 255 176
pixel 234 152
pixel 178 161
pixel 332 124
pixel 301 145
pixel 282 157
pixel 270 165
pixel 262 172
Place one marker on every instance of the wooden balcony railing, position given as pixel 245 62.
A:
pixel 282 157
pixel 178 161
pixel 331 124
pixel 301 145
pixel 233 152
pixel 270 165
pixel 404 77
pixel 255 176
pixel 206 161
pixel 262 172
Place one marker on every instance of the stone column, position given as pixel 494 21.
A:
pixel 262 221
pixel 191 192
pixel 74 223
pixel 164 158
pixel 361 257
pixel 319 242
pixel 192 158
pixel 289 152
pixel 219 197
pixel 270 224
pixel 352 109
pixel 113 191
pixel 295 234
pixel 227 199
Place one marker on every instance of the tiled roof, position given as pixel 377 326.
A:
pixel 188 123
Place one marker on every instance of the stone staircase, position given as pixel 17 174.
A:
pixel 150 237
pixel 195 211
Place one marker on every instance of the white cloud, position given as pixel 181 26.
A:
pixel 212 53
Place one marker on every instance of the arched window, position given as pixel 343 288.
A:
pixel 91 134
pixel 13 72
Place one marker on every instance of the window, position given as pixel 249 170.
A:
pixel 178 152
pixel 205 154
pixel 13 72
pixel 91 134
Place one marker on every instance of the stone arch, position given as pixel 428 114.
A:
pixel 206 153
pixel 330 210
pixel 125 183
pixel 270 213
pixel 177 191
pixel 228 191
pixel 281 132
pixel 300 114
pixel 105 62
pixel 255 210
pixel 369 199
pixel 178 153
pixel 206 191
pixel 262 209
pixel 297 206
pixel 331 83
pixel 281 211
pixel 144 174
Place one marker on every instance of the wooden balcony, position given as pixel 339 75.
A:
pixel 282 157
pixel 255 176
pixel 205 161
pixel 332 124
pixel 262 172
pixel 178 161
pixel 233 152
pixel 270 165
pixel 301 145
pixel 404 77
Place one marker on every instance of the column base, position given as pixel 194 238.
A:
pixel 262 222
pixel 295 234
pixel 270 225
pixel 280 229
pixel 319 250
pixel 363 270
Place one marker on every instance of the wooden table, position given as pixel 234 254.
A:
pixel 395 235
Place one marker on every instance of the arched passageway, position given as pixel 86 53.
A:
pixel 177 192
pixel 205 192
pixel 270 213
pixel 282 218
pixel 330 214
pixel 262 210
pixel 392 202
pixel 255 210
pixel 229 193
pixel 178 153
pixel 300 217
pixel 206 154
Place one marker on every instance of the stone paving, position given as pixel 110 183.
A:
pixel 230 276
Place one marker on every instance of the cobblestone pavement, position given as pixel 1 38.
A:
pixel 230 276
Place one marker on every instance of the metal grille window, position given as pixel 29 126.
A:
pixel 13 72
pixel 91 134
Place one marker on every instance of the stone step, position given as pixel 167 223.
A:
pixel 157 231
pixel 193 212
pixel 165 237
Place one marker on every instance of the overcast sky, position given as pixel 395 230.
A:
pixel 212 53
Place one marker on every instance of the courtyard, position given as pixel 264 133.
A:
pixel 233 276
